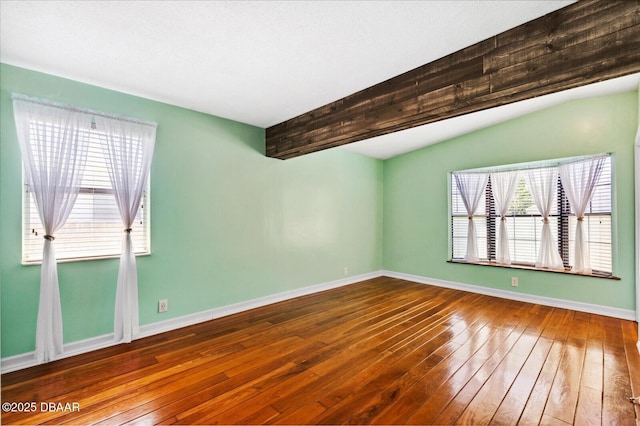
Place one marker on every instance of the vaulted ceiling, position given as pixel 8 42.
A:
pixel 583 43
pixel 258 62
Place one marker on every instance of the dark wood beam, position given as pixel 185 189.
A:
pixel 586 42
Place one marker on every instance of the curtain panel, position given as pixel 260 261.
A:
pixel 579 180
pixel 128 150
pixel 471 187
pixel 503 188
pixel 542 184
pixel 53 142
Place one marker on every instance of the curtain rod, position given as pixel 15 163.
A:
pixel 67 107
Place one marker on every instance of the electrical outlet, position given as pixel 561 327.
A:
pixel 346 271
pixel 514 281
pixel 163 305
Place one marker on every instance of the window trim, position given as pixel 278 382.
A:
pixel 562 203
pixel 83 190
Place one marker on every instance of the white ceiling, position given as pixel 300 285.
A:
pixel 258 62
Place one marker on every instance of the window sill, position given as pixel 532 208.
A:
pixel 532 268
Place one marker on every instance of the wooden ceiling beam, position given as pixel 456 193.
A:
pixel 586 42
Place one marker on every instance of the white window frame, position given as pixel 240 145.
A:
pixel 488 217
pixel 67 240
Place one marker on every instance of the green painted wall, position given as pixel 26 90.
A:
pixel 228 224
pixel 416 234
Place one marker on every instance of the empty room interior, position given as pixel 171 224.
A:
pixel 305 212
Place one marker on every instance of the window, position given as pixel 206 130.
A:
pixel 94 227
pixel 524 221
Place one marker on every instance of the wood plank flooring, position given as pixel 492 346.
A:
pixel 383 351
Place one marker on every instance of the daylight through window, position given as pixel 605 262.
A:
pixel 94 227
pixel 524 221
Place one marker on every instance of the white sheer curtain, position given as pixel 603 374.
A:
pixel 579 181
pixel 53 141
pixel 503 188
pixel 128 150
pixel 543 186
pixel 471 187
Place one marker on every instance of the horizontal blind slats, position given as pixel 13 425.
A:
pixel 524 224
pixel 94 227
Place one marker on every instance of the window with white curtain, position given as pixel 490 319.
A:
pixel 94 227
pixel 524 221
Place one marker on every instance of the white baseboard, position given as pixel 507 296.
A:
pixel 184 321
pixel 19 362
pixel 26 360
pixel 626 314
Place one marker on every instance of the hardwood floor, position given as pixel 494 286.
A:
pixel 384 351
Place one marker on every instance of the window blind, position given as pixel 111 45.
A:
pixel 525 222
pixel 94 227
